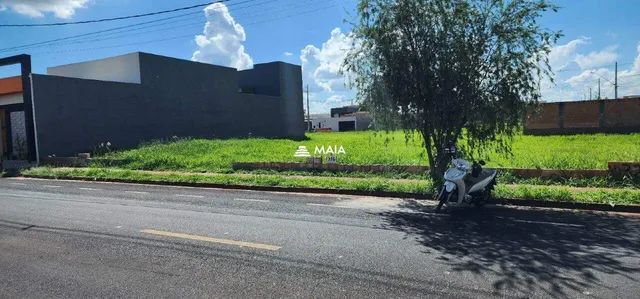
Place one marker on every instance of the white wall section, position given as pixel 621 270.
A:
pixel 124 68
pixel 15 98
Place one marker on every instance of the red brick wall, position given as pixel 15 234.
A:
pixel 547 117
pixel 622 113
pixel 582 114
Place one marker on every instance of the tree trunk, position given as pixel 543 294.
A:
pixel 435 170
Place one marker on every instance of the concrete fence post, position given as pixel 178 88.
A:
pixel 601 123
pixel 561 115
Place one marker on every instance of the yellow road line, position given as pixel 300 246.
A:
pixel 212 240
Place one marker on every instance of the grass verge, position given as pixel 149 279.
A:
pixel 506 177
pixel 338 183
pixel 515 191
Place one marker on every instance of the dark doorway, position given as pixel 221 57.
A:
pixel 344 126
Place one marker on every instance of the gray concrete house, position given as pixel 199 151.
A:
pixel 341 119
pixel 138 97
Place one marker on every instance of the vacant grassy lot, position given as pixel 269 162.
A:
pixel 557 152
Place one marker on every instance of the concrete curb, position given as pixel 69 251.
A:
pixel 502 201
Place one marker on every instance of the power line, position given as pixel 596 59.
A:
pixel 292 15
pixel 115 29
pixel 616 84
pixel 630 75
pixel 128 33
pixel 114 18
pixel 90 37
pixel 124 34
pixel 118 46
pixel 609 81
pixel 175 37
pixel 600 66
pixel 634 85
pixel 16 48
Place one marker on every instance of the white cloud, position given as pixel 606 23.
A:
pixel 563 55
pixel 321 71
pixel 322 102
pixel 636 63
pixel 597 58
pixel 222 40
pixel 576 87
pixel 288 54
pixel 561 58
pixel 589 76
pixel 63 9
pixel 322 65
pixel 576 73
pixel 629 80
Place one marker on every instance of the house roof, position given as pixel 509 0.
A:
pixel 10 85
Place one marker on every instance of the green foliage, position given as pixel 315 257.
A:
pixel 200 155
pixel 103 148
pixel 452 69
pixel 363 184
pixel 569 194
pixel 598 182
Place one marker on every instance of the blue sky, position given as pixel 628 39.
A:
pixel 308 32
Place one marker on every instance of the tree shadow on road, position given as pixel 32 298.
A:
pixel 552 251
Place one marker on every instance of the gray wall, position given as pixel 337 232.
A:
pixel 176 98
pixel 292 104
pixel 262 79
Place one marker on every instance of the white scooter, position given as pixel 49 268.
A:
pixel 466 184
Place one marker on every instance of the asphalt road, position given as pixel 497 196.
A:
pixel 84 239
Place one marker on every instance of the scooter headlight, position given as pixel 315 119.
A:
pixel 449 186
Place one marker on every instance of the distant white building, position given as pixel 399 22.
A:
pixel 340 120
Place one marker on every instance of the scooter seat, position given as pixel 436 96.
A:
pixel 485 173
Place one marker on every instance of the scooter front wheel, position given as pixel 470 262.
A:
pixel 442 198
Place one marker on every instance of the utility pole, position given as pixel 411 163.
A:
pixel 598 88
pixel 590 98
pixel 615 85
pixel 308 111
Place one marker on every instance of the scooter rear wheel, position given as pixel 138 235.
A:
pixel 486 196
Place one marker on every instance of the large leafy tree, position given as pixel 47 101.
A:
pixel 459 71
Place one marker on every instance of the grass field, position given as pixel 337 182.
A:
pixel 179 161
pixel 555 152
